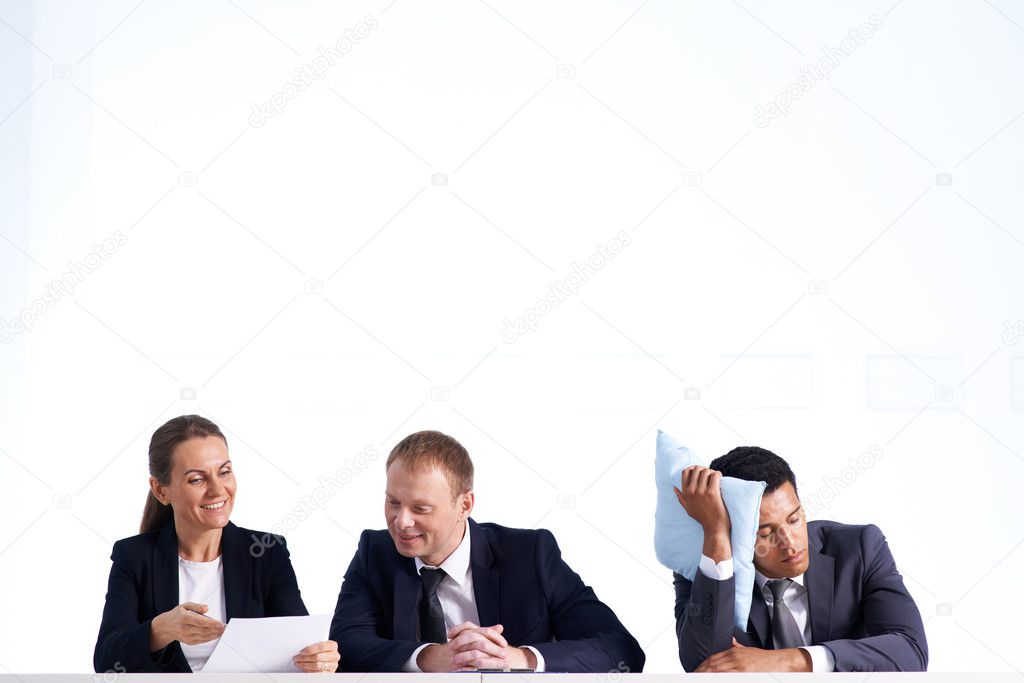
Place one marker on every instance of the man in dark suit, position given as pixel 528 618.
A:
pixel 827 596
pixel 439 592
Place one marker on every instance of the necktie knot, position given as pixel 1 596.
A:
pixel 431 578
pixel 778 588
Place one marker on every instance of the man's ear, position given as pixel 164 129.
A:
pixel 468 499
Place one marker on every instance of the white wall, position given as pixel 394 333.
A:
pixel 806 274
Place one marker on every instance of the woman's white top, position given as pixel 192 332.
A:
pixel 202 582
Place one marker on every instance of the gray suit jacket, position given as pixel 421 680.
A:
pixel 858 606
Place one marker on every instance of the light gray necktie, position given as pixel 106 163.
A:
pixel 785 631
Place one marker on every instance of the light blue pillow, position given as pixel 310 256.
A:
pixel 679 539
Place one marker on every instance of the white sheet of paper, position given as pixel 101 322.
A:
pixel 266 645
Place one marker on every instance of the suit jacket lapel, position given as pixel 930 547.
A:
pixel 760 620
pixel 407 589
pixel 165 569
pixel 237 572
pixel 820 583
pixel 485 577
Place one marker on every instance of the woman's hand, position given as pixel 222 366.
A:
pixel 185 623
pixel 321 657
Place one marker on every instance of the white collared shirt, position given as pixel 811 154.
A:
pixel 455 592
pixel 822 659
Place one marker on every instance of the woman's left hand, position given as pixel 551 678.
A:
pixel 319 658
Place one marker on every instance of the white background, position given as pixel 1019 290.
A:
pixel 811 280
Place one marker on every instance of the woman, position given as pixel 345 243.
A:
pixel 173 587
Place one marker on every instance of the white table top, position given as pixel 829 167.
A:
pixel 613 677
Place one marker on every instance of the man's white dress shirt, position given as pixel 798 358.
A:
pixel 457 598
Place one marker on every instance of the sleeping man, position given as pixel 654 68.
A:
pixel 827 596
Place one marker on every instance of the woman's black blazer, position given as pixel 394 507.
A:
pixel 258 582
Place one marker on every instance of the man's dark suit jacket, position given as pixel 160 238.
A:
pixel 519 581
pixel 258 582
pixel 858 606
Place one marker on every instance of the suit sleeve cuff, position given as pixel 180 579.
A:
pixel 410 665
pixel 822 660
pixel 540 658
pixel 720 572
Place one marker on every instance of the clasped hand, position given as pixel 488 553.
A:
pixel 471 647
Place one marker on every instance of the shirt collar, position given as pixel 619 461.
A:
pixel 761 579
pixel 456 567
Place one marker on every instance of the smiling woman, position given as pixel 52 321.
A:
pixel 173 587
pixel 205 479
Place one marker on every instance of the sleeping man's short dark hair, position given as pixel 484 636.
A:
pixel 755 464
